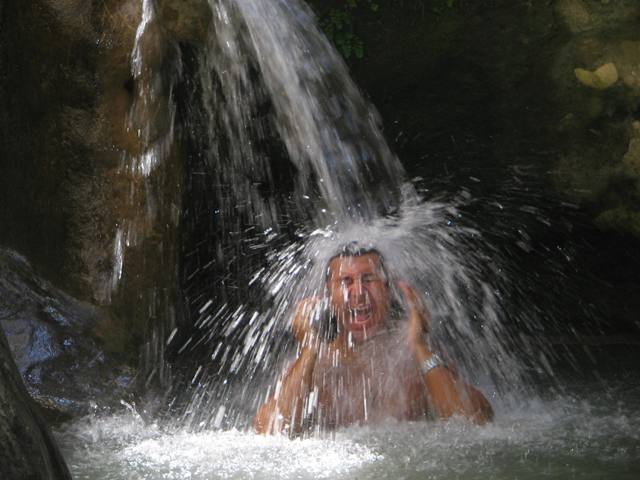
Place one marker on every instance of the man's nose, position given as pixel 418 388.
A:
pixel 356 289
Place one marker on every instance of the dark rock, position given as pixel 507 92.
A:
pixel 67 89
pixel 51 336
pixel 186 20
pixel 27 448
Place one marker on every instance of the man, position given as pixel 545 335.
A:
pixel 370 370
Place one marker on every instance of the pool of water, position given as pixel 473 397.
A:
pixel 592 430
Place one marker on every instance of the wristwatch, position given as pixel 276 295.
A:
pixel 432 362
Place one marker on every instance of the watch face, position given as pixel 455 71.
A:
pixel 432 362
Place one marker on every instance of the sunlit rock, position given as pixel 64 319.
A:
pixel 623 219
pixel 186 20
pixel 631 159
pixel 627 59
pixel 603 77
pixel 597 167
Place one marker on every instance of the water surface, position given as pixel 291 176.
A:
pixel 592 431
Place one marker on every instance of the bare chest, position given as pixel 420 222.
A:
pixel 369 391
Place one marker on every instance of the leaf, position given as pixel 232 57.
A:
pixel 358 50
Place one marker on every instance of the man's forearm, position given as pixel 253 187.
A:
pixel 449 395
pixel 296 386
pixel 287 406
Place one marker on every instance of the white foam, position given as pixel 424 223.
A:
pixel 562 438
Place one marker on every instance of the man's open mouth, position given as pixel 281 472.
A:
pixel 360 315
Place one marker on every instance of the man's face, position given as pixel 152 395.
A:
pixel 359 294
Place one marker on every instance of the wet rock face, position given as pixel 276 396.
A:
pixel 595 15
pixel 185 20
pixel 69 123
pixel 53 100
pixel 27 449
pixel 51 337
pixel 601 109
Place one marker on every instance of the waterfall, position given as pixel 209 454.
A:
pixel 331 134
pixel 151 119
pixel 143 284
pixel 269 75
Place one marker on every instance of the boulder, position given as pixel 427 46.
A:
pixel 56 343
pixel 27 448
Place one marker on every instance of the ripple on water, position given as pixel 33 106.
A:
pixel 564 438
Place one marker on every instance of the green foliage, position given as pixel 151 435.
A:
pixel 441 6
pixel 339 22
pixel 338 25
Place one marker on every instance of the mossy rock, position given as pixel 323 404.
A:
pixel 600 79
pixel 622 219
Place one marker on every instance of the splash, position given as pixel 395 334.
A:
pixel 272 91
pixel 426 244
pixel 271 95
pixel 579 436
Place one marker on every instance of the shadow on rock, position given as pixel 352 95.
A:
pixel 52 338
pixel 27 449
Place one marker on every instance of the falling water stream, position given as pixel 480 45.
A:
pixel 269 73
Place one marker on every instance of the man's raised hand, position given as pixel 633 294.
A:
pixel 302 325
pixel 418 315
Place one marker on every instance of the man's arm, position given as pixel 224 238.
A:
pixel 448 394
pixel 286 408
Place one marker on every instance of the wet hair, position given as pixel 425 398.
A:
pixel 354 249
